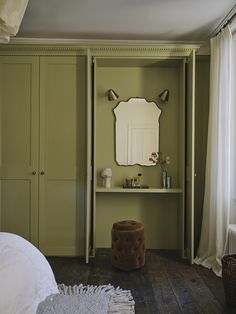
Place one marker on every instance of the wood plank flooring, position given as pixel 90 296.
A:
pixel 166 284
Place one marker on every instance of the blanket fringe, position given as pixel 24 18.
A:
pixel 121 301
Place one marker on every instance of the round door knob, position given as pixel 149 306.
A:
pixel 42 173
pixel 33 173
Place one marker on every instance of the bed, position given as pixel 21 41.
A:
pixel 28 286
pixel 25 275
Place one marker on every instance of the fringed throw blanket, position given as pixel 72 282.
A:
pixel 88 300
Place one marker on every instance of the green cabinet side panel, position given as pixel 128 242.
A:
pixel 19 105
pixel 190 159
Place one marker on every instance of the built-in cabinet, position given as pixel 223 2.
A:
pixel 41 157
pixel 58 133
pixel 164 212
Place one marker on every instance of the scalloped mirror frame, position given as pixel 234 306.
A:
pixel 136 131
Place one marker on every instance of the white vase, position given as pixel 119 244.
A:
pixel 107 182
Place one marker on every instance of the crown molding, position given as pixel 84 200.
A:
pixel 76 41
pixel 99 47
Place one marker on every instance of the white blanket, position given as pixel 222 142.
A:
pixel 26 277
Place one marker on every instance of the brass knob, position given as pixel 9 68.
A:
pixel 42 173
pixel 33 173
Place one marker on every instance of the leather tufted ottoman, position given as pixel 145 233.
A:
pixel 128 245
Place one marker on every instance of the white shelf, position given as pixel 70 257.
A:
pixel 138 190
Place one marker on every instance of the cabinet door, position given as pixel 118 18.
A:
pixel 19 110
pixel 190 163
pixel 58 155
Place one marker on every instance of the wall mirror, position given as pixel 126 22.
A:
pixel 137 131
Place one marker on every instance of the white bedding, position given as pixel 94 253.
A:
pixel 26 278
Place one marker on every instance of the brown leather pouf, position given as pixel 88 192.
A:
pixel 128 245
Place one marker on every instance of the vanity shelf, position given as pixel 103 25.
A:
pixel 138 190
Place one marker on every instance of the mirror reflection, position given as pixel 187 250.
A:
pixel 137 131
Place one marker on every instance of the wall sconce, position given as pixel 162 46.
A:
pixel 112 95
pixel 164 95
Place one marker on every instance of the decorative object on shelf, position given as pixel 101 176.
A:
pixel 159 159
pixel 139 178
pixel 112 95
pixel 164 179
pixel 106 175
pixel 164 96
pixel 168 182
pixel 128 182
pixel 135 182
pixel 142 186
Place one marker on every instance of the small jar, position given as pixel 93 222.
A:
pixel 128 181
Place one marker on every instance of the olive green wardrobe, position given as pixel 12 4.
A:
pixel 42 156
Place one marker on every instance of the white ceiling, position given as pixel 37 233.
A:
pixel 162 20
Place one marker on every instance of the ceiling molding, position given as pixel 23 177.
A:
pixel 25 40
pixel 103 49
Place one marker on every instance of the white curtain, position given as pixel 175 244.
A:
pixel 233 128
pixel 11 14
pixel 217 197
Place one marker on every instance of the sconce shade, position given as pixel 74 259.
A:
pixel 112 95
pixel 164 96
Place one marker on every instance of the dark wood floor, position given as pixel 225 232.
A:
pixel 166 284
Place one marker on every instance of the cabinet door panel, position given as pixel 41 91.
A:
pixel 58 220
pixel 19 145
pixel 58 155
pixel 16 206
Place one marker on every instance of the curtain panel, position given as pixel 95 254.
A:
pixel 218 180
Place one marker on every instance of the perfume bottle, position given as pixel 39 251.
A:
pixel 138 179
pixel 164 179
pixel 168 182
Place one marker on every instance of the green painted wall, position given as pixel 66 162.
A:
pixel 136 82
